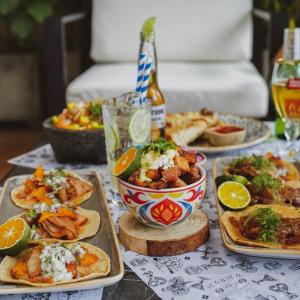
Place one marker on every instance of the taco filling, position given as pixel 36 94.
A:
pixel 266 225
pixel 54 263
pixel 251 166
pixel 55 186
pixel 55 221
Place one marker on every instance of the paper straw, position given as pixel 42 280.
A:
pixel 141 67
pixel 145 81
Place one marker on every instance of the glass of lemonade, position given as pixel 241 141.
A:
pixel 127 123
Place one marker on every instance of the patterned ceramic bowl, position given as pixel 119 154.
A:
pixel 166 207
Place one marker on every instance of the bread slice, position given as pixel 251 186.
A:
pixel 184 128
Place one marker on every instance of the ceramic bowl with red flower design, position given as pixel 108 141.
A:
pixel 164 207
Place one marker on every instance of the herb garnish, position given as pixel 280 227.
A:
pixel 269 221
pixel 31 214
pixel 159 146
pixel 264 180
pixel 257 162
pixel 95 109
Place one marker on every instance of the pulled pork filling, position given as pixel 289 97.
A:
pixel 287 232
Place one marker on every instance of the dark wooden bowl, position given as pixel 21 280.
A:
pixel 80 146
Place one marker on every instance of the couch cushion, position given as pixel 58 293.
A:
pixel 225 87
pixel 193 30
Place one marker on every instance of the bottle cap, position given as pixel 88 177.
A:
pixel 291 42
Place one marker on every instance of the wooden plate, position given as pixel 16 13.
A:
pixel 106 237
pixel 256 132
pixel 218 167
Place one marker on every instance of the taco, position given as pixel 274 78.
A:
pixel 60 222
pixel 53 263
pixel 54 186
pixel 251 166
pixel 269 226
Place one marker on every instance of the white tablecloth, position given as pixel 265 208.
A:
pixel 210 272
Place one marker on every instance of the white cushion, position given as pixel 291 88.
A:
pixel 193 30
pixel 224 87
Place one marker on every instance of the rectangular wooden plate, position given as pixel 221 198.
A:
pixel 218 168
pixel 106 237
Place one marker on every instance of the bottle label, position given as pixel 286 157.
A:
pixel 158 115
pixel 293 84
pixel 292 108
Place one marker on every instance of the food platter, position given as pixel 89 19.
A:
pixel 105 238
pixel 256 133
pixel 218 169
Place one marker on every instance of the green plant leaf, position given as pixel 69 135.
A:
pixel 8 6
pixel 39 10
pixel 21 25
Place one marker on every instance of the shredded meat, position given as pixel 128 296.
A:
pixel 77 187
pixel 291 196
pixel 34 263
pixel 288 232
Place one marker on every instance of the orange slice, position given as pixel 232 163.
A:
pixel 14 236
pixel 127 163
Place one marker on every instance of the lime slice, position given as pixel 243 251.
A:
pixel 222 178
pixel 148 27
pixel 233 195
pixel 112 137
pixel 127 163
pixel 140 126
pixel 14 236
pixel 241 179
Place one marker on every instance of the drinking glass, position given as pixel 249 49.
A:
pixel 127 123
pixel 286 97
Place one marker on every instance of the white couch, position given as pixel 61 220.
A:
pixel 204 50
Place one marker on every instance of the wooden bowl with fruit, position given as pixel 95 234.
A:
pixel 77 134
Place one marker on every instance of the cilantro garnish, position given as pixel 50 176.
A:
pixel 31 214
pixel 269 222
pixel 159 146
pixel 264 180
pixel 259 163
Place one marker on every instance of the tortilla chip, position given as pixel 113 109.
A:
pixel 89 229
pixel 28 204
pixel 236 236
pixel 103 268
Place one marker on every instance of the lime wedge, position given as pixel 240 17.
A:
pixel 140 126
pixel 14 236
pixel 112 136
pixel 127 163
pixel 148 27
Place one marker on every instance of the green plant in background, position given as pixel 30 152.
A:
pixel 290 7
pixel 21 15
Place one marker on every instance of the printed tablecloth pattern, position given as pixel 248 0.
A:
pixel 210 272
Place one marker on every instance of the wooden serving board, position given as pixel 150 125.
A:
pixel 182 238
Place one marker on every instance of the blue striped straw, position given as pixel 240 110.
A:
pixel 141 67
pixel 146 76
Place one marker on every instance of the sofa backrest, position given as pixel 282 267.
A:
pixel 186 30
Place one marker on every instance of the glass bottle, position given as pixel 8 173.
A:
pixel 154 94
pixel 286 86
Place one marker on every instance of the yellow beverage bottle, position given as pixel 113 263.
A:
pixel 154 94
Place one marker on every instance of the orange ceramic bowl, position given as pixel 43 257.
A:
pixel 166 207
